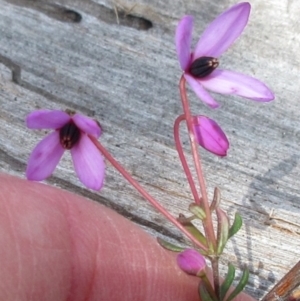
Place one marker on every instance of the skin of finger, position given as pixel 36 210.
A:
pixel 58 246
pixel 55 245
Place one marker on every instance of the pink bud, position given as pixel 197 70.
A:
pixel 210 136
pixel 191 262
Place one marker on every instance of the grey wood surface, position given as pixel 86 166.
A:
pixel 74 54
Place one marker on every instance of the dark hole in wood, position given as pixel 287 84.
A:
pixel 52 10
pixel 111 16
pixel 139 23
pixel 70 15
pixel 108 15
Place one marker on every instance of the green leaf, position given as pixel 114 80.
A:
pixel 240 286
pixel 204 294
pixel 189 226
pixel 216 200
pixel 222 231
pixel 236 226
pixel 197 210
pixel 169 246
pixel 228 281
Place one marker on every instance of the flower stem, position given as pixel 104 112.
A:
pixel 207 222
pixel 185 166
pixel 144 193
pixel 215 272
pixel 209 287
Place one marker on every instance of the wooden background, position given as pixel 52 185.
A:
pixel 74 54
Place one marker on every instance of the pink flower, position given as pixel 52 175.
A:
pixel 200 66
pixel 210 136
pixel 191 262
pixel 70 132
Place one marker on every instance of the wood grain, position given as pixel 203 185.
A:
pixel 74 54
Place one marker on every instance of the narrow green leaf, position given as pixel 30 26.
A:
pixel 240 286
pixel 169 246
pixel 228 281
pixel 223 230
pixel 197 210
pixel 236 226
pixel 204 294
pixel 189 226
pixel 216 200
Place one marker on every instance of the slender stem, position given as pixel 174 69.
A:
pixel 185 166
pixel 209 287
pixel 144 193
pixel 207 223
pixel 215 270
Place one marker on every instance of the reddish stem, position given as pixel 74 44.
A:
pixel 207 223
pixel 144 193
pixel 181 155
pixel 215 268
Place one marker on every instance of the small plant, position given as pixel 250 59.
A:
pixel 201 71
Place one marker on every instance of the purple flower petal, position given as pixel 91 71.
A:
pixel 47 119
pixel 200 91
pixel 191 262
pixel 229 82
pixel 210 136
pixel 183 38
pixel 87 125
pixel 44 158
pixel 223 31
pixel 88 163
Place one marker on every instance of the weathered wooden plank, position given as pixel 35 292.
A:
pixel 73 54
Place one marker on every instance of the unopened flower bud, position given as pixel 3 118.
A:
pixel 191 262
pixel 210 135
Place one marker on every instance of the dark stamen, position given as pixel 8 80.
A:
pixel 203 66
pixel 69 135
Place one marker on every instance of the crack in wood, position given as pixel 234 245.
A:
pixel 271 221
pixel 16 78
pixel 52 10
pixel 115 15
pixel 124 18
pixel 56 99
pixel 14 68
pixel 18 166
pixel 118 208
pixel 14 163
